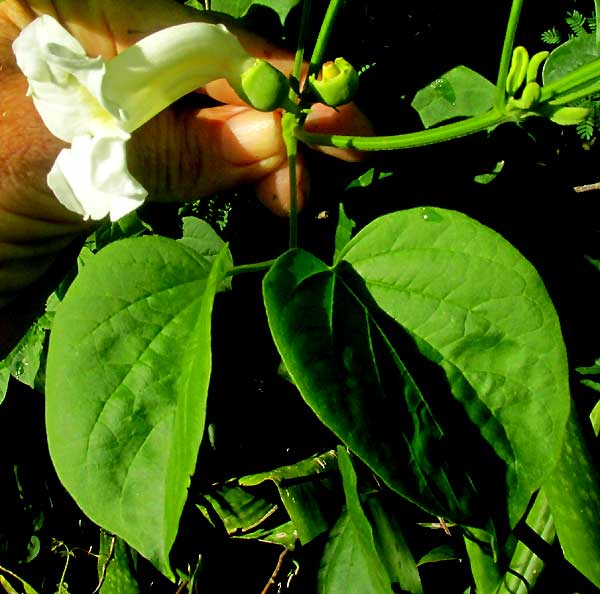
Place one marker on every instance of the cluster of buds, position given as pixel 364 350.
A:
pixel 522 78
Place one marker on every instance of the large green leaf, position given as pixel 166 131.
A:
pixel 478 308
pixel 493 425
pixel 127 379
pixel 344 358
pixel 239 8
pixel 460 92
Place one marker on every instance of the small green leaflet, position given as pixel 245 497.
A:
pixel 4 377
pixel 461 92
pixel 194 4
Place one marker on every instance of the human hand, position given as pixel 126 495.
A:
pixel 180 154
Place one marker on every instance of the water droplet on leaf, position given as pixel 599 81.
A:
pixel 430 215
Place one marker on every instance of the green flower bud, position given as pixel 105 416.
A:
pixel 264 87
pixel 518 70
pixel 534 65
pixel 529 98
pixel 338 83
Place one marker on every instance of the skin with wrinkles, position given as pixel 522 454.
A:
pixel 182 153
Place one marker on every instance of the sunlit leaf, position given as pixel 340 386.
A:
pixel 343 232
pixel 127 380
pixel 25 359
pixel 4 378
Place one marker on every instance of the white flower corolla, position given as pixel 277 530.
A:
pixel 94 105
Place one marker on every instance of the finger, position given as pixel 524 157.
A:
pixel 274 190
pixel 190 154
pixel 346 119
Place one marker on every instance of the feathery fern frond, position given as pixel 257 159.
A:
pixel 551 36
pixel 591 23
pixel 577 22
pixel 585 129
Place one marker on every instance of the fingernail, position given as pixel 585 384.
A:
pixel 251 136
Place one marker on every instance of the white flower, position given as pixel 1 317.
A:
pixel 94 105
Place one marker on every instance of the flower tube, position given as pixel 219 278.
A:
pixel 95 105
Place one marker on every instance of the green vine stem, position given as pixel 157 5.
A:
pixel 324 34
pixel 288 123
pixel 299 56
pixel 478 123
pixel 289 120
pixel 507 49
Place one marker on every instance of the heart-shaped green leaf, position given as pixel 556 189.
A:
pixel 344 356
pixel 478 308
